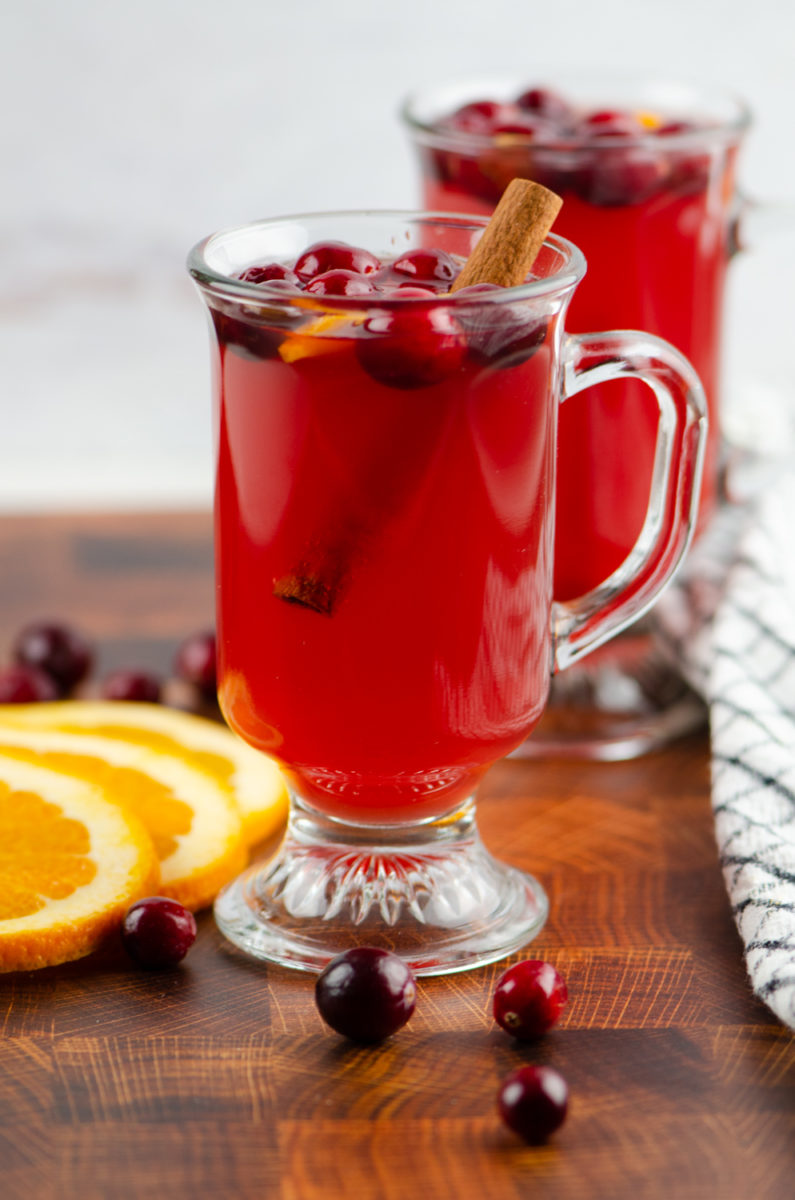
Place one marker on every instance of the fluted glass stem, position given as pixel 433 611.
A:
pixel 430 893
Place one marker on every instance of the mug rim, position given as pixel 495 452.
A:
pixel 470 88
pixel 225 286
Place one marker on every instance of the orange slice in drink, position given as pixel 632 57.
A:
pixel 71 862
pixel 252 778
pixel 649 120
pixel 320 336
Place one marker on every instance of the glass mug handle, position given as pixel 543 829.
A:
pixel 755 223
pixel 580 625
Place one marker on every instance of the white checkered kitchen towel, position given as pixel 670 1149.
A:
pixel 731 619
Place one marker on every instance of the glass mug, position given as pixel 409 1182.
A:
pixel 663 194
pixel 384 514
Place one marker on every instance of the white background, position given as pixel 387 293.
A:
pixel 129 131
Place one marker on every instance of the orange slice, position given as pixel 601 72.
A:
pixel 193 821
pixel 253 779
pixel 310 340
pixel 71 863
pixel 649 120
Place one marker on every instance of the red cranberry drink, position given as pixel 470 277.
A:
pixel 384 530
pixel 652 173
pixel 384 483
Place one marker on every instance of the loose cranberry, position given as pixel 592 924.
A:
pixel 131 685
pixel 411 347
pixel 529 998
pixel 533 1102
pixel 424 265
pixel 547 104
pixel 339 282
pixel 332 256
pixel 195 662
pixel 61 652
pixel 158 932
pixel 26 685
pixel 366 994
pixel 269 273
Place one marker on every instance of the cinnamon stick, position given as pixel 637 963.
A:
pixel 504 255
pixel 513 237
pixel 316 581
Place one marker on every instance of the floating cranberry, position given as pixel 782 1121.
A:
pixel 615 176
pixel 463 172
pixel 269 273
pixel 195 662
pixel 475 117
pixel 407 288
pixel 59 651
pixel 366 994
pixel 333 256
pixel 250 338
pixel 339 282
pixel 411 347
pixel 131 685
pixel 499 334
pixel 258 331
pixel 478 289
pixel 412 291
pixel 553 169
pixel 529 998
pixel 158 932
pixel 542 136
pixel 426 265
pixel 690 170
pixel 547 104
pixel 523 127
pixel 287 287
pixel 533 1102
pixel 671 128
pixel 21 684
pixel 609 123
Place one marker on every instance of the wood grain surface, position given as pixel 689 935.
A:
pixel 219 1079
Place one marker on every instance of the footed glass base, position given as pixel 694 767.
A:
pixel 430 893
pixel 624 700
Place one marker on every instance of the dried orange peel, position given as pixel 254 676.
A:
pixel 71 862
pixel 251 778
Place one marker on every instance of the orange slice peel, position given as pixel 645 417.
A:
pixel 71 861
pixel 251 778
pixel 193 822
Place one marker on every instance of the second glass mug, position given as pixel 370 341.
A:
pixel 665 193
pixel 384 546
